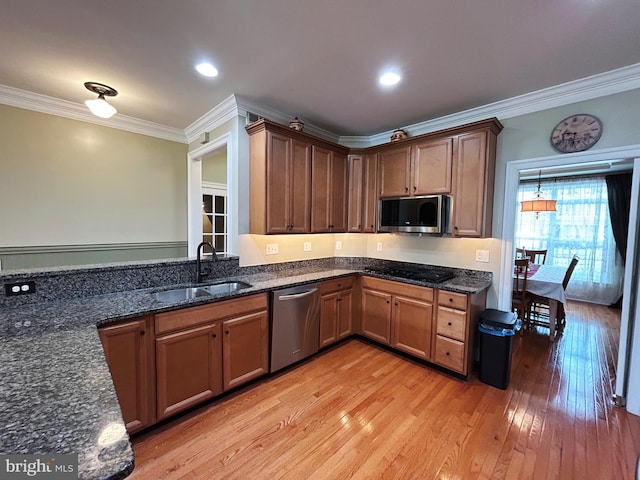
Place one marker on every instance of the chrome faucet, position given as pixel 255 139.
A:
pixel 214 258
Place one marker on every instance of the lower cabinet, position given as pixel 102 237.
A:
pixel 336 310
pixel 202 351
pixel 128 347
pixel 398 314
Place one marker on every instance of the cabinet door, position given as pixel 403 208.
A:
pixel 376 315
pixel 338 194
pixel 411 326
pixel 370 195
pixel 328 319
pixel 128 348
pixel 189 368
pixel 320 189
pixel 345 312
pixel 355 202
pixel 245 348
pixel 299 186
pixel 395 169
pixel 432 167
pixel 470 186
pixel 278 183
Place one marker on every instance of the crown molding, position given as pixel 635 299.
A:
pixel 221 113
pixel 277 116
pixel 15 97
pixel 600 85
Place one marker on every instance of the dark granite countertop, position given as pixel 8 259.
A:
pixel 56 394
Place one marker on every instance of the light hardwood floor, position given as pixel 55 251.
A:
pixel 358 411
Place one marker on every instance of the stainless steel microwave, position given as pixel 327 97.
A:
pixel 428 214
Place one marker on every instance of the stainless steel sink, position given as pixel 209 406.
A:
pixel 225 287
pixel 180 294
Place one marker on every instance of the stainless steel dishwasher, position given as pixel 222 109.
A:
pixel 295 324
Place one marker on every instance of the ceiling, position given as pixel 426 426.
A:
pixel 317 60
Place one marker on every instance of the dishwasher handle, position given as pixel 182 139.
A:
pixel 293 296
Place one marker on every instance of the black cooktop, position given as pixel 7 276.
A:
pixel 429 274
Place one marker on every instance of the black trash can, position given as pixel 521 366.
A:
pixel 496 331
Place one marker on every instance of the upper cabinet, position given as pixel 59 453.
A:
pixel 423 168
pixel 285 196
pixel 363 199
pixel 328 191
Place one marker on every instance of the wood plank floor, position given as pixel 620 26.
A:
pixel 358 411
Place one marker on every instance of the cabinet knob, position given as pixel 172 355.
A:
pixel 371 226
pixel 338 299
pixel 226 332
pixel 450 299
pixel 359 227
pixel 142 332
pixel 406 189
pixel 449 323
pixel 396 304
pixel 446 353
pixel 415 188
pixel 214 335
pixel 388 302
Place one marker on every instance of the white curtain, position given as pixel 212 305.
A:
pixel 581 226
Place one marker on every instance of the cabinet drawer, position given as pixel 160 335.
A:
pixel 189 317
pixel 452 323
pixel 398 288
pixel 453 300
pixel 449 353
pixel 342 283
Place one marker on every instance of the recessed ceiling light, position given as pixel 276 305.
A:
pixel 207 70
pixel 389 78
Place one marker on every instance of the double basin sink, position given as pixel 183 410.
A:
pixel 189 293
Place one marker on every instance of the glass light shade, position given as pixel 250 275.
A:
pixel 101 108
pixel 538 205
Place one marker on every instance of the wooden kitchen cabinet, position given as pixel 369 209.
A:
pixel 398 314
pixel 202 350
pixel 457 315
pixel 279 180
pixel 328 190
pixel 336 310
pixel 395 172
pixel 431 167
pixel 128 348
pixel 363 198
pixel 245 348
pixel 474 172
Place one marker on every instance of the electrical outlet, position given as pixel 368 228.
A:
pixel 272 249
pixel 19 288
pixel 338 245
pixel 482 256
pixel 306 246
pixel 379 246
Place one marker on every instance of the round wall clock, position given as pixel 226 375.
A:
pixel 576 133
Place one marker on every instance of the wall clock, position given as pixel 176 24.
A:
pixel 576 133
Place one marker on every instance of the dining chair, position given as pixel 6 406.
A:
pixel 521 299
pixel 520 253
pixel 540 305
pixel 536 256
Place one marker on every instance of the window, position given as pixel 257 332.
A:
pixel 581 226
pixel 214 218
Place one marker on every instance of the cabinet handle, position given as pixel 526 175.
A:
pixel 359 227
pixel 227 332
pixel 338 299
pixel 449 323
pixel 142 332
pixel 396 304
pixel 388 302
pixel 415 188
pixel 450 299
pixel 214 335
pixel 446 353
pixel 371 226
pixel 406 189
pixel 339 285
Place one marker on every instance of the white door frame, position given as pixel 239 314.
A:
pixel 194 191
pixel 512 179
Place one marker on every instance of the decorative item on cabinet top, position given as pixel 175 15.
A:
pixel 296 124
pixel 398 134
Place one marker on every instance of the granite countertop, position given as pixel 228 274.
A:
pixel 55 386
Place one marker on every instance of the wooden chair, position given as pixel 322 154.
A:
pixel 520 253
pixel 540 308
pixel 536 256
pixel 521 299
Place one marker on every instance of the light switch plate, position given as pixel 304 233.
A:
pixel 338 245
pixel 306 246
pixel 379 246
pixel 271 249
pixel 482 256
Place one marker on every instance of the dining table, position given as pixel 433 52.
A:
pixel 546 281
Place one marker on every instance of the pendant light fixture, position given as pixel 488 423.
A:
pixel 99 106
pixel 538 203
